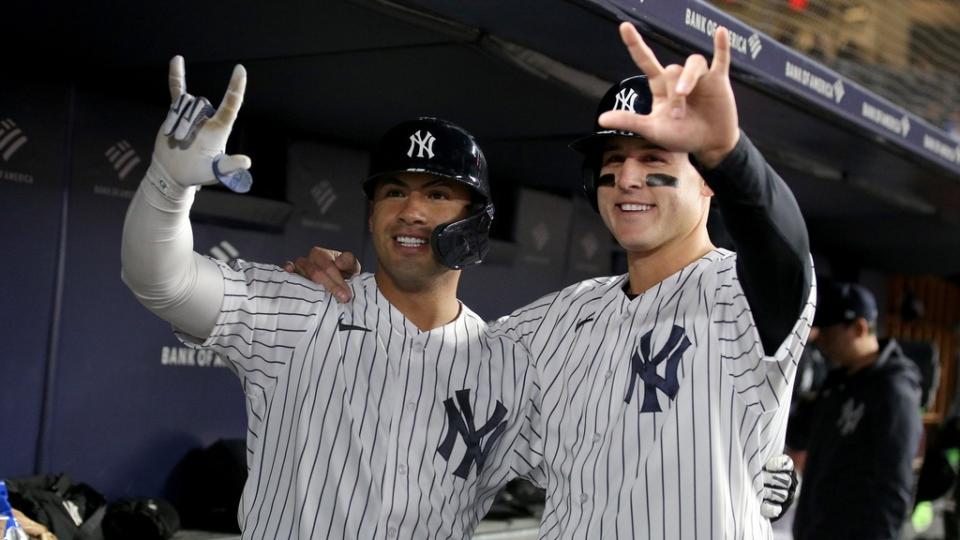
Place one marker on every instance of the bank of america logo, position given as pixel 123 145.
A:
pixel 123 158
pixel 323 195
pixel 755 44
pixel 224 252
pixel 11 138
pixel 838 90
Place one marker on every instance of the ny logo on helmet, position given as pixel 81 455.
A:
pixel 421 143
pixel 625 99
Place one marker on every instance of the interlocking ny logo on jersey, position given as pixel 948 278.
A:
pixel 850 416
pixel 644 365
pixel 460 421
pixel 625 99
pixel 421 143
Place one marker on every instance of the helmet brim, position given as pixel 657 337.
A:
pixel 594 143
pixel 466 180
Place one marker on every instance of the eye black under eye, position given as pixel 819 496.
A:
pixel 661 179
pixel 605 180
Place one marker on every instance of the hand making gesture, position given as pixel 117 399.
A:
pixel 693 111
pixel 190 146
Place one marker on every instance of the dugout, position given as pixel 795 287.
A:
pixel 98 387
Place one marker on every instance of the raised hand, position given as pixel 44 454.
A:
pixel 189 149
pixel 694 109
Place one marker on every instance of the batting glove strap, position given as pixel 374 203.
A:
pixel 169 188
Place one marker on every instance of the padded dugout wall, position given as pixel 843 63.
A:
pixel 126 400
pixel 34 122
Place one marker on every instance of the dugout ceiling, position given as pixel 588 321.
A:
pixel 878 186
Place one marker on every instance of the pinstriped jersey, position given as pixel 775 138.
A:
pixel 359 424
pixel 659 412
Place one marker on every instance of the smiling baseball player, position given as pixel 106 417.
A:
pixel 394 416
pixel 665 390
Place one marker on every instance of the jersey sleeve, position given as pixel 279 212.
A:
pixel 519 449
pixel 528 450
pixel 541 325
pixel 760 379
pixel 770 236
pixel 525 325
pixel 529 455
pixel 265 313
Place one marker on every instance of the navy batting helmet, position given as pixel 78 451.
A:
pixel 441 148
pixel 632 94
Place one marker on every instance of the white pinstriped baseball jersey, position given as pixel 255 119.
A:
pixel 359 423
pixel 659 412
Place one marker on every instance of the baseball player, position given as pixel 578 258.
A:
pixel 394 416
pixel 666 389
pixel 673 381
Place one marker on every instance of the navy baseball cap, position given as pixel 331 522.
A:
pixel 844 303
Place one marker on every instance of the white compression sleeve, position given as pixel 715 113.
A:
pixel 158 261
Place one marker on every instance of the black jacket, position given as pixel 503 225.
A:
pixel 858 480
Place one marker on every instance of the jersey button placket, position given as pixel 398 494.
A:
pixel 394 481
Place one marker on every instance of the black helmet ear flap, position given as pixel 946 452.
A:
pixel 464 242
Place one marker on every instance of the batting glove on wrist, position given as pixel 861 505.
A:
pixel 189 149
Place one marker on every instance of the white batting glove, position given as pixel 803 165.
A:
pixel 779 486
pixel 189 149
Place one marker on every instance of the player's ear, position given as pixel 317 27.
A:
pixel 705 189
pixel 861 327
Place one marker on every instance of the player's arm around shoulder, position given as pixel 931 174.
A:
pixel 546 323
